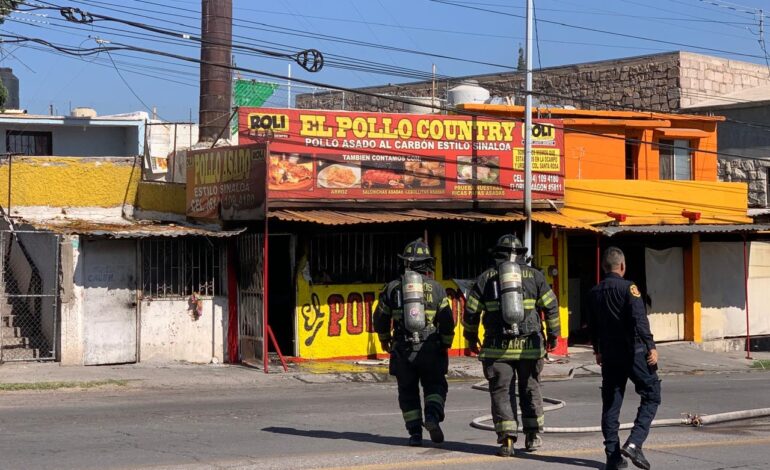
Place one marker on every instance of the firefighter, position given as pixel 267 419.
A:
pixel 625 349
pixel 507 299
pixel 414 322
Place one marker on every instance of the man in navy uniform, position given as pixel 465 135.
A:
pixel 625 349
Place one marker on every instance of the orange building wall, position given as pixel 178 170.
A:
pixel 590 156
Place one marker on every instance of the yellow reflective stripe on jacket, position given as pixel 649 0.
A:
pixel 529 304
pixel 547 299
pixel 552 322
pixel 510 354
pixel 444 303
pixel 492 305
pixel 472 304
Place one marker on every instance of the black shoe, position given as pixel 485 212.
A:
pixel 616 463
pixel 506 447
pixel 636 456
pixel 415 440
pixel 532 442
pixel 436 434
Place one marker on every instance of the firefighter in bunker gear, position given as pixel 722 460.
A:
pixel 508 350
pixel 625 349
pixel 414 322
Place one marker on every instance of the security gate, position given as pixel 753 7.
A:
pixel 251 325
pixel 29 295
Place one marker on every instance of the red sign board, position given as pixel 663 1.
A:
pixel 226 183
pixel 328 155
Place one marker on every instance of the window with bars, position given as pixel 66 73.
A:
pixel 29 143
pixel 180 267
pixel 357 257
pixel 465 255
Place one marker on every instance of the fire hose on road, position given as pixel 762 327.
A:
pixel 694 420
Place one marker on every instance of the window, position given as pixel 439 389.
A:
pixel 632 155
pixel 675 160
pixel 28 143
pixel 357 257
pixel 465 255
pixel 180 267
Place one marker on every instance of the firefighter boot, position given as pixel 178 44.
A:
pixel 636 456
pixel 506 446
pixel 615 462
pixel 415 435
pixel 532 442
pixel 436 434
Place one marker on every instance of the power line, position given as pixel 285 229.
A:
pixel 116 47
pixel 602 31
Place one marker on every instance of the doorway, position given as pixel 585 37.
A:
pixel 281 300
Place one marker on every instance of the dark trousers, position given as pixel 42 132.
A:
pixel 502 389
pixel 428 367
pixel 615 375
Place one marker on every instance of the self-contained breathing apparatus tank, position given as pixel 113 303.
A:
pixel 414 303
pixel 511 296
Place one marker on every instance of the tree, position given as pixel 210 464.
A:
pixel 7 6
pixel 522 63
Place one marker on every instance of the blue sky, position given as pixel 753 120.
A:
pixel 471 42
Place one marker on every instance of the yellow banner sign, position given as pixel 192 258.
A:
pixel 543 160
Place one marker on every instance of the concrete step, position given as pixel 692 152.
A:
pixel 16 342
pixel 10 331
pixel 8 320
pixel 20 354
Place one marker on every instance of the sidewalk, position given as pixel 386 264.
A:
pixel 675 358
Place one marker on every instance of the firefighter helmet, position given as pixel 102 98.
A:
pixel 509 243
pixel 416 251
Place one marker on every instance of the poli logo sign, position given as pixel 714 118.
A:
pixel 542 134
pixel 269 122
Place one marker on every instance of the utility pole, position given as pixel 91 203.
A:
pixel 288 89
pixel 215 76
pixel 528 135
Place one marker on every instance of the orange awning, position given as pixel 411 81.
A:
pixel 685 133
pixel 556 219
pixel 334 217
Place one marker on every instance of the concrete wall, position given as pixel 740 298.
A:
pixel 68 182
pixel 704 77
pixel 169 333
pixel 85 141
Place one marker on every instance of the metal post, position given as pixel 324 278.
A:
pixel 288 89
pixel 746 295
pixel 528 135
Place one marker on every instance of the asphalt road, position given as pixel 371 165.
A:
pixel 355 425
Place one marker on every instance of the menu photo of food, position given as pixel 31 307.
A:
pixel 487 170
pixel 338 175
pixel 426 173
pixel 290 171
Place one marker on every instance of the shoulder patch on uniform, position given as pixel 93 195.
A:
pixel 635 291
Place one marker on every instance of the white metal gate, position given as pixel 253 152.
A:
pixel 29 295
pixel 109 317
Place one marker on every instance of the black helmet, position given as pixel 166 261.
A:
pixel 509 243
pixel 416 251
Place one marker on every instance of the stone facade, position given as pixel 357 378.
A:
pixel 643 82
pixel 705 77
pixel 752 172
